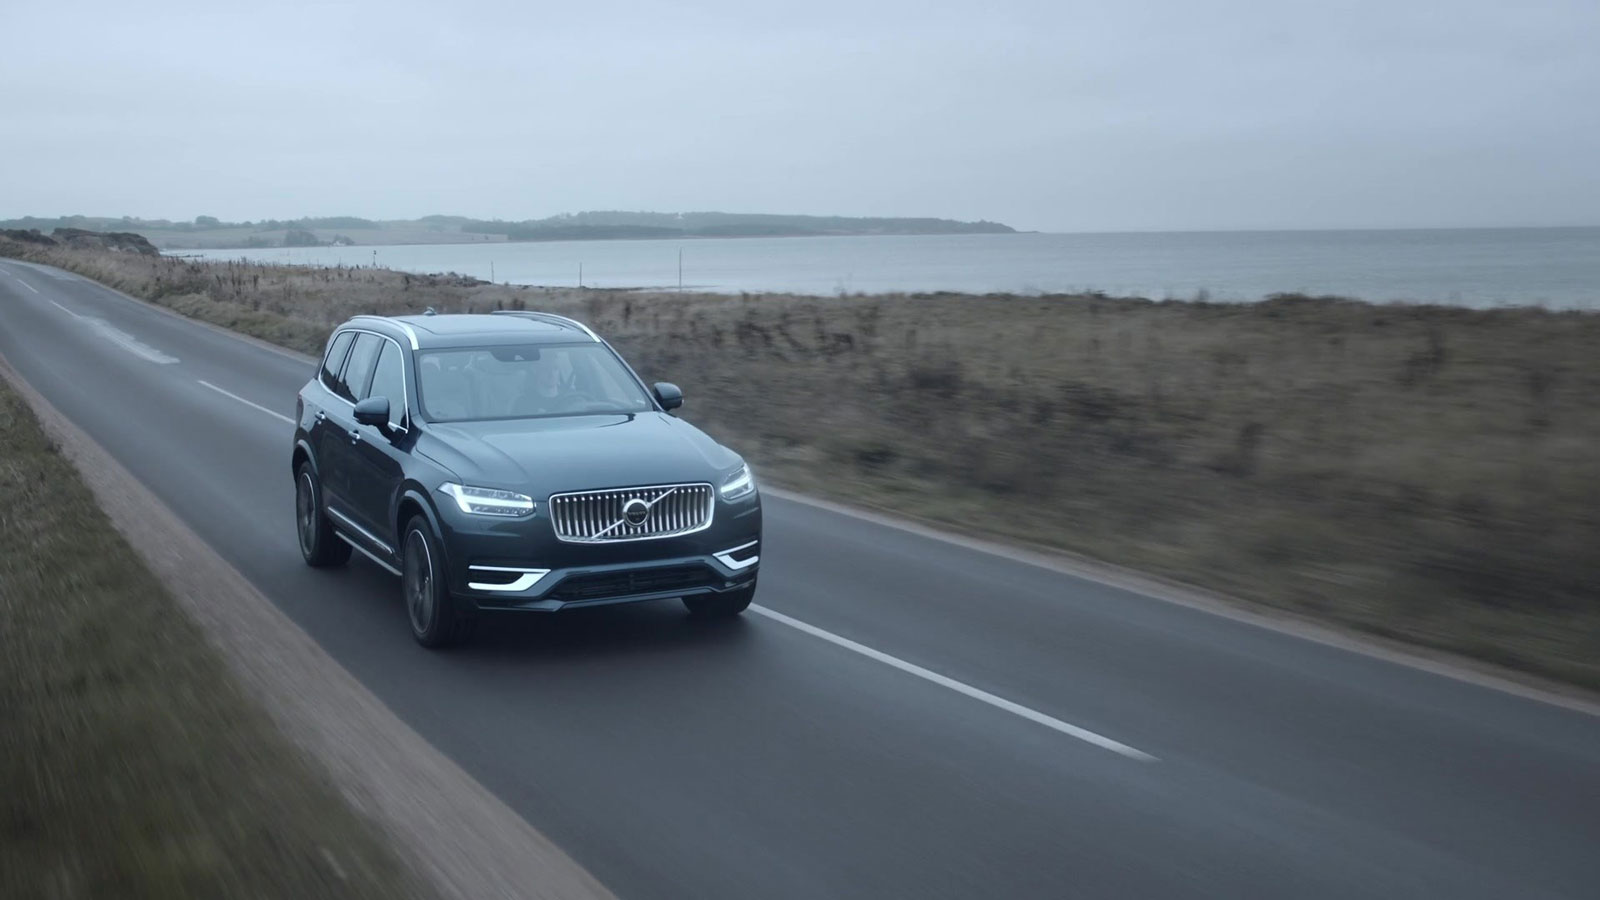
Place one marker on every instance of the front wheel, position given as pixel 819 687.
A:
pixel 435 621
pixel 721 606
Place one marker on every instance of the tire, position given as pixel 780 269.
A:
pixel 318 544
pixel 435 620
pixel 721 606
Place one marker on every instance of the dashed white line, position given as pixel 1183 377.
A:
pixel 1066 728
pixel 252 405
pixel 121 338
pixel 128 342
pixel 24 283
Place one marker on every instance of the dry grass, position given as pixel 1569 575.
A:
pixel 1428 473
pixel 131 765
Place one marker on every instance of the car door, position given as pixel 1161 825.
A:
pixel 321 399
pixel 340 434
pixel 377 456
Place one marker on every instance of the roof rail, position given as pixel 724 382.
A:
pixel 410 335
pixel 547 317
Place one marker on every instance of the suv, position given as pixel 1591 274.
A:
pixel 514 461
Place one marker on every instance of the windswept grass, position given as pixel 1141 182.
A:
pixel 1428 473
pixel 131 765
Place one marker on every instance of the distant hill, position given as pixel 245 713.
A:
pixel 209 232
pixel 615 224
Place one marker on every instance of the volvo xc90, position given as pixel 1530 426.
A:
pixel 515 462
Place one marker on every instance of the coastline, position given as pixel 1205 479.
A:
pixel 1553 268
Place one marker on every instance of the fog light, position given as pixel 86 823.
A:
pixel 740 557
pixel 506 578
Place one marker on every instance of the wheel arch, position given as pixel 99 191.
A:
pixel 303 454
pixel 413 501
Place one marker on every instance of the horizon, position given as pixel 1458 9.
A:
pixel 1086 231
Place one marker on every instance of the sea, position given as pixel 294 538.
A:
pixel 1556 268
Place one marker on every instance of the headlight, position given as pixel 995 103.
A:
pixel 739 484
pixel 479 501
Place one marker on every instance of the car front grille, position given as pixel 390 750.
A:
pixel 602 585
pixel 667 510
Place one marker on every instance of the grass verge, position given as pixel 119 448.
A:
pixel 1427 473
pixel 131 764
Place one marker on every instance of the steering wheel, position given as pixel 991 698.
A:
pixel 570 400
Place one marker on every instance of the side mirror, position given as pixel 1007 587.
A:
pixel 373 411
pixel 668 394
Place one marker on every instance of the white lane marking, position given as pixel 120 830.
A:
pixel 1066 728
pixel 128 342
pixel 20 281
pixel 121 338
pixel 275 415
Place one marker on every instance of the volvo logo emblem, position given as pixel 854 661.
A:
pixel 635 511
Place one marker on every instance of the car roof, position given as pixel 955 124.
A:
pixel 478 330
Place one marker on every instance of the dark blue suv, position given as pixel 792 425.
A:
pixel 515 462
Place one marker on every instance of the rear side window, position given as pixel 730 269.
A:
pixel 389 380
pixel 335 359
pixel 358 371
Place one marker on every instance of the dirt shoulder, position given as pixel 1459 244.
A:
pixel 137 760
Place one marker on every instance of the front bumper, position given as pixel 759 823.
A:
pixel 519 564
pixel 618 583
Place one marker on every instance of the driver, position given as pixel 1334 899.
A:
pixel 542 386
pixel 547 380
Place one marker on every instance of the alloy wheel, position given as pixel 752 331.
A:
pixel 305 507
pixel 418 577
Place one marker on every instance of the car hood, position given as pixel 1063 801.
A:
pixel 576 453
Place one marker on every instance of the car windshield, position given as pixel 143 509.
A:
pixel 525 381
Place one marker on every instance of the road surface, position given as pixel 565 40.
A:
pixel 901 716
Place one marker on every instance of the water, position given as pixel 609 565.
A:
pixel 1554 267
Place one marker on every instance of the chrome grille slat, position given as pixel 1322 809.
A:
pixel 597 516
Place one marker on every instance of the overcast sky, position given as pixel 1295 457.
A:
pixel 1055 116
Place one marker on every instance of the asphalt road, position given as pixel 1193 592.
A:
pixel 901 717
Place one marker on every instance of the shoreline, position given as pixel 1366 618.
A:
pixel 1209 298
pixel 1553 268
pixel 1190 267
